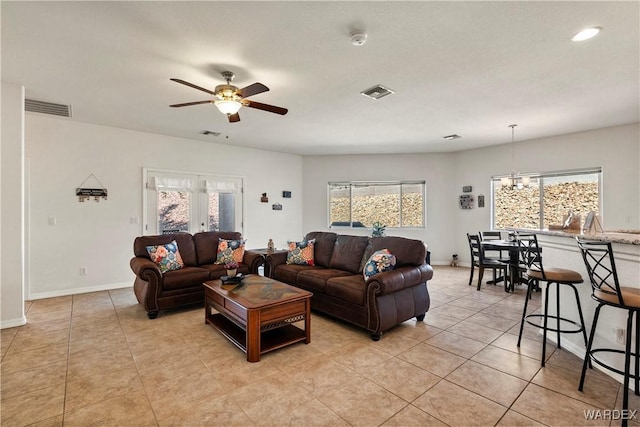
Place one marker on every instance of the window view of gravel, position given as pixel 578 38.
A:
pixel 395 205
pixel 524 208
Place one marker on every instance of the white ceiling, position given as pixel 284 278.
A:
pixel 469 68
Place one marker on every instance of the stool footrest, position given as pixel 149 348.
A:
pixel 566 331
pixel 609 367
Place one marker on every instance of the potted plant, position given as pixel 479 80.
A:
pixel 378 229
pixel 232 268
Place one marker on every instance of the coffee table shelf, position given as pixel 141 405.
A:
pixel 272 339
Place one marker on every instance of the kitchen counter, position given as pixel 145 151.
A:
pixel 626 237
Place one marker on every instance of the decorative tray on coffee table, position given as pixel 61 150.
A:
pixel 234 280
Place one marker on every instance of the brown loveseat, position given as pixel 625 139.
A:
pixel 339 288
pixel 157 291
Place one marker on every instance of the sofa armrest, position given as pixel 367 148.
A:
pixel 144 268
pixel 253 259
pixel 400 278
pixel 273 259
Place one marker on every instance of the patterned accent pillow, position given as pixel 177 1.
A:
pixel 230 250
pixel 301 253
pixel 166 256
pixel 379 261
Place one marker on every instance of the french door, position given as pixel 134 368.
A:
pixel 180 201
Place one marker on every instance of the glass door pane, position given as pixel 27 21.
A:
pixel 174 208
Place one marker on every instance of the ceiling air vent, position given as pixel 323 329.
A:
pixel 33 106
pixel 377 92
pixel 452 137
pixel 210 132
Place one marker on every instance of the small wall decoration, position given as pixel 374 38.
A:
pixel 286 194
pixel 264 198
pixel 467 189
pixel 276 207
pixel 466 201
pixel 85 193
pixel 481 201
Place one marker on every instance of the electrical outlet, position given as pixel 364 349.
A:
pixel 620 335
pixel 83 271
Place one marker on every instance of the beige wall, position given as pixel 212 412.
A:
pixel 12 274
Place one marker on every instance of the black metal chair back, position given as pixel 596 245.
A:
pixel 530 253
pixel 601 267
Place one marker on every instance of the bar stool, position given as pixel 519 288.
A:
pixel 606 290
pixel 531 257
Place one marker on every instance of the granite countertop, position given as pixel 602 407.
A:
pixel 628 237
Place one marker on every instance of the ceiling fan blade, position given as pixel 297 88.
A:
pixel 253 89
pixel 233 117
pixel 193 86
pixel 184 104
pixel 266 107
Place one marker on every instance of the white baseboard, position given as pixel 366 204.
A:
pixel 12 323
pixel 65 292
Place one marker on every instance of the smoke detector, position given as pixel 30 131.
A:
pixel 358 38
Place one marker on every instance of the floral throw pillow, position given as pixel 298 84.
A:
pixel 229 251
pixel 166 256
pixel 379 261
pixel 301 253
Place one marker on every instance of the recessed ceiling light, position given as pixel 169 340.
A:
pixel 452 137
pixel 586 34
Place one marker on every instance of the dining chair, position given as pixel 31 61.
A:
pixel 606 291
pixel 493 235
pixel 531 258
pixel 478 260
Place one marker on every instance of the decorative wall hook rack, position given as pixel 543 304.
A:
pixel 85 193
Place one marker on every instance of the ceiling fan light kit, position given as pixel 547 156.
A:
pixel 228 106
pixel 229 98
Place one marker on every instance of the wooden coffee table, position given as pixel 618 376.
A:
pixel 258 315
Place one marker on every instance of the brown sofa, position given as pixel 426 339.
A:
pixel 157 291
pixel 339 288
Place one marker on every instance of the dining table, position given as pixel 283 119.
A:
pixel 513 247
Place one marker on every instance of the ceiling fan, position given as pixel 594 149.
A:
pixel 229 99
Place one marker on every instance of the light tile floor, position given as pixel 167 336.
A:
pixel 95 359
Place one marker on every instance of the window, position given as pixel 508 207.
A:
pixel 547 199
pixel 190 203
pixel 360 204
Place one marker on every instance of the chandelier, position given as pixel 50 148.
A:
pixel 514 181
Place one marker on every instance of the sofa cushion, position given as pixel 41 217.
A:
pixel 184 241
pixel 230 250
pixel 379 261
pixel 347 253
pixel 184 278
pixel 325 241
pixel 206 243
pixel 349 288
pixel 288 273
pixel 166 256
pixel 406 251
pixel 301 253
pixel 315 280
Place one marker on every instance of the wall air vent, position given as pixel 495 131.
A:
pixel 33 106
pixel 377 92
